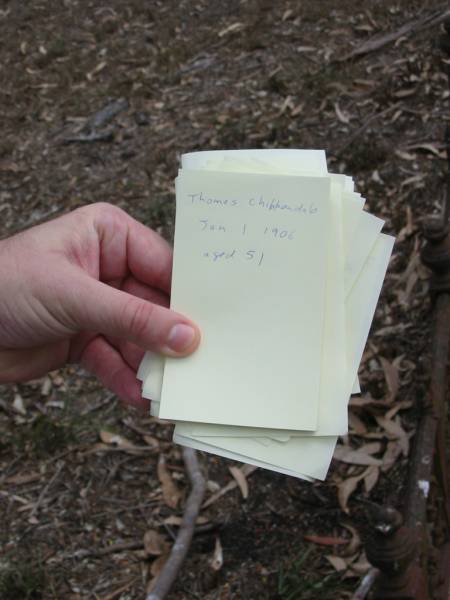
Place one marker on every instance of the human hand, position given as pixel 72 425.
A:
pixel 91 287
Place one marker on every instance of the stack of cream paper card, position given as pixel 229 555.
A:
pixel 279 265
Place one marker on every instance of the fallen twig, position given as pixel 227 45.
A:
pixel 106 114
pixel 120 547
pixel 366 584
pixel 92 136
pixel 59 467
pixel 378 42
pixel 119 591
pixel 90 131
pixel 356 134
pixel 180 548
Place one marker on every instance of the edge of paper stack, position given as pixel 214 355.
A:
pixel 356 259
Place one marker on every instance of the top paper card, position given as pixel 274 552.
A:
pixel 250 263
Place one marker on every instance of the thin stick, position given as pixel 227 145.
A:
pixel 366 584
pixel 379 42
pixel 180 548
pixel 120 547
pixel 59 467
pixel 363 127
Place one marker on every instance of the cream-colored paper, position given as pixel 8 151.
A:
pixel 363 302
pixel 205 447
pixel 333 399
pixel 261 161
pixel 152 383
pixel 312 456
pixel 334 392
pixel 366 234
pixel 333 405
pixel 246 234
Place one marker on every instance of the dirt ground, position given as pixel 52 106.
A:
pixel 208 75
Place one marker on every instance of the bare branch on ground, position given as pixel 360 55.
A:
pixel 379 42
pixel 180 548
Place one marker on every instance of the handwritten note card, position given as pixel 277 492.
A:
pixel 281 268
pixel 244 271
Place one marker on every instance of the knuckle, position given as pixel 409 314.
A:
pixel 99 211
pixel 103 208
pixel 138 315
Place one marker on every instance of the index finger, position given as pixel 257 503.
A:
pixel 129 246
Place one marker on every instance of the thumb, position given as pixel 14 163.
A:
pixel 100 307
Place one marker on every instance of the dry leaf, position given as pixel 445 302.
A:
pixel 371 448
pixel 216 561
pixel 18 405
pixel 393 451
pixel 114 439
pixel 230 29
pixel 325 541
pixel 361 565
pixel 151 441
pixel 414 179
pixel 158 564
pixel 371 478
pixel 246 470
pixel 398 407
pixel 22 479
pixel 171 493
pixel 354 543
pixel 338 563
pixel 9 166
pixel 96 70
pixel 346 489
pixel 394 429
pixel 356 424
pixel 46 387
pixel 343 117
pixel 392 378
pixel 240 480
pixel 154 543
pixel 355 457
pixel 409 228
pixel 405 93
pixel 405 155
pixel 434 148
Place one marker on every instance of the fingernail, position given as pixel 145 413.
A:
pixel 181 337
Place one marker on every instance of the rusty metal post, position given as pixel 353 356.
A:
pixel 392 548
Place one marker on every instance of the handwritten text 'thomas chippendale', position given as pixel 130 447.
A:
pixel 272 205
